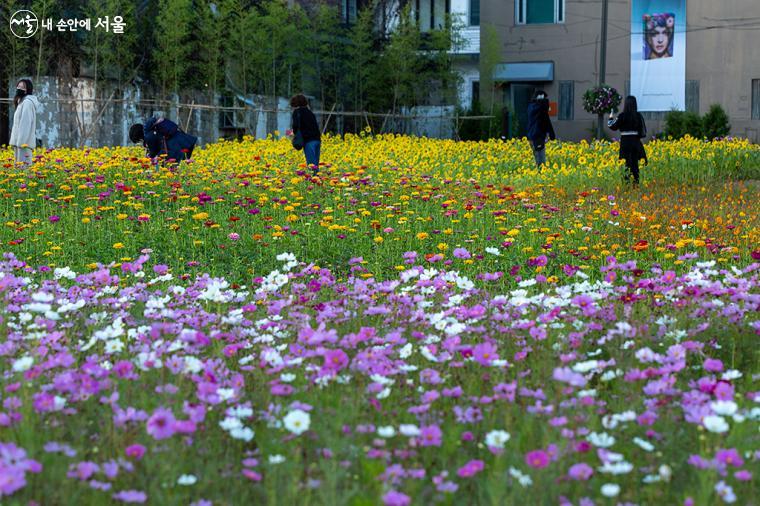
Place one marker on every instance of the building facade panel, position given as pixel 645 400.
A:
pixel 721 54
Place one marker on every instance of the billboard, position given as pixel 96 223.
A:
pixel 658 54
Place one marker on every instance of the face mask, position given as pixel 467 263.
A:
pixel 20 92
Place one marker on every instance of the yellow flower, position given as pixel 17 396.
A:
pixel 422 236
pixel 118 245
pixel 200 216
pixel 379 239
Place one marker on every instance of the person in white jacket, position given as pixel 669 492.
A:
pixel 23 134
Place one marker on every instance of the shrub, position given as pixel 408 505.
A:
pixel 712 125
pixel 715 123
pixel 482 129
pixel 680 123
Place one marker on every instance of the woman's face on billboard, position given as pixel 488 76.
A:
pixel 659 40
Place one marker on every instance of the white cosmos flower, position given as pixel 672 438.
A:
pixel 23 364
pixel 297 421
pixel 409 430
pixel 665 472
pixel 521 477
pixel 187 479
pixel 602 440
pixel 643 444
pixel 244 433
pixel 715 424
pixel 616 468
pixel 493 251
pixel 230 423
pixel 287 377
pixel 610 489
pixel 586 366
pixel 386 432
pixel 724 408
pixel 731 374
pixel 225 393
pixel 497 438
pixel 276 459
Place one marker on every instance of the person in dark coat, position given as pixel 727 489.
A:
pixel 539 126
pixel 630 123
pixel 304 123
pixel 161 136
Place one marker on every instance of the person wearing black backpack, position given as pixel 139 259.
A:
pixel 161 136
pixel 306 134
pixel 632 129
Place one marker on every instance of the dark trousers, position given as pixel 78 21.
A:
pixel 631 150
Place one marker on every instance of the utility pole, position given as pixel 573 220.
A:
pixel 602 64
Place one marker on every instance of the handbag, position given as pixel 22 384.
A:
pixel 298 137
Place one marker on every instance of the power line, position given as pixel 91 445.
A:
pixel 747 27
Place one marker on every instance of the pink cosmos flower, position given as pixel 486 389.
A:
pixel 472 468
pixel 713 365
pixel 131 496
pixel 485 353
pixel 580 471
pixel 430 435
pixel 161 424
pixel 394 498
pixel 461 253
pixel 252 475
pixel 730 457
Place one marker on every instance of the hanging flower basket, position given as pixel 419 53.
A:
pixel 601 99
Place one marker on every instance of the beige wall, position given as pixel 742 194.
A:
pixel 724 61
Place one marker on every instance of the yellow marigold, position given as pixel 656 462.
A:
pixel 422 235
pixel 200 216
pixel 118 245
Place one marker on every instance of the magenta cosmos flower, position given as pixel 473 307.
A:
pixel 537 459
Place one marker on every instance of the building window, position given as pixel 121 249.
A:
pixel 692 96
pixel 528 12
pixel 566 97
pixel 348 11
pixel 756 99
pixel 431 14
pixel 474 12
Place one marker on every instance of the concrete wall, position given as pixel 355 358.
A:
pixel 723 60
pixel 67 122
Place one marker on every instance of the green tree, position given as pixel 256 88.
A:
pixel 18 54
pixel 212 18
pixel 326 45
pixel 362 58
pixel 400 62
pixel 490 55
pixel 241 55
pixel 171 51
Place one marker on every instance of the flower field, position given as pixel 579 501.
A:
pixel 426 322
